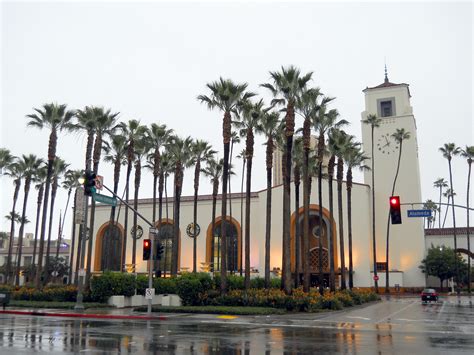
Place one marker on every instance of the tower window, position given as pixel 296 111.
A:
pixel 386 108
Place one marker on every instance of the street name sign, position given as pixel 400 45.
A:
pixel 419 213
pixel 112 201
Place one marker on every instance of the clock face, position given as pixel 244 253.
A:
pixel 386 144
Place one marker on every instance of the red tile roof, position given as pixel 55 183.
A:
pixel 448 231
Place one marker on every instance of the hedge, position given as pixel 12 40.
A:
pixel 112 284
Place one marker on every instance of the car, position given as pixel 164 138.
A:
pixel 428 295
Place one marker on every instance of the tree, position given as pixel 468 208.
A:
pixel 29 164
pixel 180 154
pixel 241 155
pixel 40 182
pixel 133 131
pixel 269 128
pixel 441 184
pixel 286 87
pixel 468 153
pixel 355 158
pixel 56 118
pixel 448 194
pixel 449 150
pixel 298 160
pixel 15 172
pixel 213 170
pixel 430 205
pixel 323 121
pixel 201 152
pixel 441 262
pixel 59 169
pixel 374 122
pixel 5 159
pixel 399 136
pixel 225 95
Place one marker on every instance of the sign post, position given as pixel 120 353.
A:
pixel 150 291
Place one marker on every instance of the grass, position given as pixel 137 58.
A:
pixel 47 304
pixel 216 310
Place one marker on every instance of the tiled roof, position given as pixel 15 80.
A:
pixel 448 231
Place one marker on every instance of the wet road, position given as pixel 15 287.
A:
pixel 396 326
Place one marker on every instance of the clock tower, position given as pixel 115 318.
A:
pixel 391 103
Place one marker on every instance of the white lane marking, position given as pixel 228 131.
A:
pixel 441 310
pixel 416 320
pixel 356 317
pixel 392 314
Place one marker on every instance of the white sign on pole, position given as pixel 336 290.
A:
pixel 153 230
pixel 80 206
pixel 149 293
pixel 99 182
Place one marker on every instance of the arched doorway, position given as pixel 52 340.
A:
pixel 213 244
pixel 315 237
pixel 165 236
pixel 108 247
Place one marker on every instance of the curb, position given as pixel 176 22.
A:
pixel 82 315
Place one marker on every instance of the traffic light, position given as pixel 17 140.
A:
pixel 146 249
pixel 159 251
pixel 89 183
pixel 395 213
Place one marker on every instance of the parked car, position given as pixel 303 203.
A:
pixel 428 295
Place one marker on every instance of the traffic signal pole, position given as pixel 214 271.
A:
pixel 80 285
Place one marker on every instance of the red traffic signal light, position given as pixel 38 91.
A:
pixel 395 213
pixel 146 249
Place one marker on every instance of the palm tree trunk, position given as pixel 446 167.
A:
pixel 286 217
pixel 467 234
pixel 62 224
pixel 117 166
pixel 48 246
pixel 349 226
pixel 454 229
pixel 176 216
pixel 196 189
pixel 247 211
pixel 332 254
pixel 125 223
pixel 38 211
pixel 306 193
pixel 268 221
pixel 78 254
pixel 232 246
pixel 320 249
pixel 242 212
pixel 167 219
pixel 439 206
pixel 387 273
pixel 285 222
pixel 12 230
pixel 297 233
pixel 339 176
pixel 447 209
pixel 215 190
pixel 22 227
pixel 225 176
pixel 135 206
pixel 374 248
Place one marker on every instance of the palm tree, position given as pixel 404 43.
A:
pixel 468 153
pixel 225 95
pixel 87 122
pixel 354 158
pixel 430 205
pixel 165 171
pixel 298 158
pixel 248 121
pixel 180 153
pixel 71 181
pixel 201 152
pixel 213 170
pixel 132 130
pixel 374 122
pixel 448 194
pixel 269 128
pixel 106 124
pixel 55 118
pixel 15 172
pixel 115 153
pixel 441 184
pixel 142 147
pixel 449 150
pixel 159 135
pixel 235 138
pixel 5 159
pixel 286 87
pixel 323 121
pixel 399 136
pixel 241 155
pixel 29 164
pixel 307 105
pixel 40 180
pixel 59 169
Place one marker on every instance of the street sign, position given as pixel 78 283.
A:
pixel 419 213
pixel 99 182
pixel 149 293
pixel 81 272
pixel 376 277
pixel 80 206
pixel 153 230
pixel 112 201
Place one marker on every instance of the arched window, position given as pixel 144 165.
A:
pixel 214 245
pixel 166 239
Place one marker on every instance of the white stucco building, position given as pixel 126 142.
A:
pixel 390 102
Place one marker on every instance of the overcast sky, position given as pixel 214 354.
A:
pixel 150 60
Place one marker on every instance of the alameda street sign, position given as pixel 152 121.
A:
pixel 419 213
pixel 112 201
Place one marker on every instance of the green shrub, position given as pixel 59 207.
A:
pixel 142 284
pixel 235 282
pixel 275 282
pixel 112 284
pixel 345 298
pixel 164 285
pixel 57 293
pixel 189 289
pixel 257 282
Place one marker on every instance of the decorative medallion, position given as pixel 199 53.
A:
pixel 193 231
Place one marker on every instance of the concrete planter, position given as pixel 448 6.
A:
pixel 135 301
pixel 117 301
pixel 170 300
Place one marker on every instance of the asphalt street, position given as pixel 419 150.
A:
pixel 395 326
